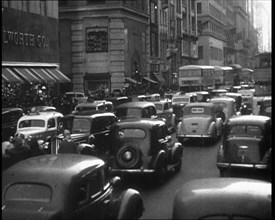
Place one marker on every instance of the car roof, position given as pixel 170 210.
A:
pixel 223 196
pixel 233 94
pixel 5 110
pixel 222 99
pixel 90 104
pixel 248 119
pixel 40 115
pixel 201 104
pixel 51 169
pixel 144 123
pixel 92 114
pixel 141 104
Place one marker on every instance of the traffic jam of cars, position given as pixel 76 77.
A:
pixel 107 141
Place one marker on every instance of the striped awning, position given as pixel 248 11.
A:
pixel 10 76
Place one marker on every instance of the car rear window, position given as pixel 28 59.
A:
pixel 28 192
pixel 250 130
pixel 128 112
pixel 158 106
pixel 131 133
pixel 81 125
pixel 85 108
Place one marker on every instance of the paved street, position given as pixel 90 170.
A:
pixel 198 162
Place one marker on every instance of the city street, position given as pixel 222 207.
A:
pixel 198 162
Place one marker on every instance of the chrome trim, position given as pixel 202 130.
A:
pixel 193 135
pixel 133 170
pixel 257 166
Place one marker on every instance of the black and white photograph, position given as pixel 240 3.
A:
pixel 136 109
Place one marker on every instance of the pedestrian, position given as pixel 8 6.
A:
pixel 35 148
pixel 67 146
pixel 19 151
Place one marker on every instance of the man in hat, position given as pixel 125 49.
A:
pixel 67 146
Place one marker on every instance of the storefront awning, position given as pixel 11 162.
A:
pixel 159 78
pixel 150 80
pixel 44 75
pixel 60 77
pixel 9 76
pixel 32 72
pixel 131 80
pixel 27 75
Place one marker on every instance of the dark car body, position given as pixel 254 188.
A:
pixel 165 110
pixel 10 117
pixel 90 127
pixel 118 100
pixel 65 186
pixel 139 109
pixel 223 199
pixel 246 145
pixel 199 121
pixel 266 106
pixel 143 146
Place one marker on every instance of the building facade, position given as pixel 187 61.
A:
pixel 30 43
pixel 104 43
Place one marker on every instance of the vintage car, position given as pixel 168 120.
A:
pixel 247 99
pixel 10 117
pixel 66 186
pixel 139 109
pixel 118 100
pixel 109 107
pixel 90 127
pixel 199 121
pixel 223 198
pixel 78 96
pixel 225 107
pixel 203 96
pixel 90 106
pixel 39 125
pixel 40 108
pixel 246 145
pixel 143 147
pixel 179 101
pixel 165 110
pixel 266 106
pixel 218 92
pixel 238 99
pixel 152 97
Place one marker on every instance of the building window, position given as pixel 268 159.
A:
pixel 96 39
pixel 178 6
pixel 179 27
pixel 153 15
pixel 200 52
pixel 199 7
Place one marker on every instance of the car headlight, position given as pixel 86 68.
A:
pixel 127 156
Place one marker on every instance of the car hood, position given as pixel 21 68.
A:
pixel 30 131
pixel 232 150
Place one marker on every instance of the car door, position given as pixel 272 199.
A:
pixel 92 196
pixel 100 128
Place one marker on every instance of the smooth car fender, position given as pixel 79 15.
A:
pixel 219 124
pixel 212 127
pixel 131 205
pixel 160 156
pixel 177 151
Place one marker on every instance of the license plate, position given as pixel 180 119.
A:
pixel 242 153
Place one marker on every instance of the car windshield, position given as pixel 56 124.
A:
pixel 181 99
pixel 81 125
pixel 246 130
pixel 131 133
pixel 28 192
pixel 128 112
pixel 85 108
pixel 32 123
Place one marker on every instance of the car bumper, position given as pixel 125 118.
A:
pixel 141 170
pixel 194 136
pixel 240 165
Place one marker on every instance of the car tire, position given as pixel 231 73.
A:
pixel 178 167
pixel 135 156
pixel 222 172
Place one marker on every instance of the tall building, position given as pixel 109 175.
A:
pixel 30 43
pixel 104 43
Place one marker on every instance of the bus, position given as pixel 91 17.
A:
pixel 246 76
pixel 223 76
pixel 196 78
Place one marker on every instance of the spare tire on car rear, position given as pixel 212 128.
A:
pixel 128 156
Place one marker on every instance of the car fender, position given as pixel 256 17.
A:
pixel 176 152
pixel 173 120
pixel 131 205
pixel 219 124
pixel 178 128
pixel 212 128
pixel 160 156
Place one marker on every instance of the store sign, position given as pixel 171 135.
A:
pixel 97 39
pixel 23 39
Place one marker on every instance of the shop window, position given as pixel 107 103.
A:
pixel 199 7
